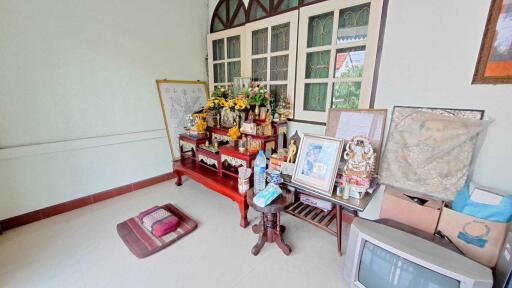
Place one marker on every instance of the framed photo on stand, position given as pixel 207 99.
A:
pixel 317 163
pixel 346 124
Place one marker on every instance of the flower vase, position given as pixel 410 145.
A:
pixel 257 112
pixel 217 120
pixel 239 120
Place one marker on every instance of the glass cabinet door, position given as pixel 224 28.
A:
pixel 273 43
pixel 225 57
pixel 336 56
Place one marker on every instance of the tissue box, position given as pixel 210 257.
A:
pixel 398 205
pixel 478 239
pixel 319 203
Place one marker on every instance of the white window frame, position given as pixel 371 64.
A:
pixel 371 44
pixel 289 17
pixel 225 34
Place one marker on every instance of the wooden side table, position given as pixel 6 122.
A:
pixel 270 229
pixel 189 145
pixel 210 160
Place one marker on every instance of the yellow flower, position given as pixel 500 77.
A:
pixel 234 133
pixel 200 125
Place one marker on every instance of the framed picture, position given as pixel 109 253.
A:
pixel 349 123
pixel 494 65
pixel 317 163
pixel 179 99
pixel 430 150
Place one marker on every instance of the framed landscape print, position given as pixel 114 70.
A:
pixel 431 150
pixel 179 99
pixel 317 163
pixel 494 65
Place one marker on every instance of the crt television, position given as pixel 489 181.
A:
pixel 379 256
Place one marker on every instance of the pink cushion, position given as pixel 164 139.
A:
pixel 159 221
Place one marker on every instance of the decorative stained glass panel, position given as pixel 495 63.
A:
pixel 280 37
pixel 233 70
pixel 279 68
pixel 315 95
pixel 320 30
pixel 232 7
pixel 257 11
pixel 219 73
pixel 259 69
pixel 353 24
pixel 218 49
pixel 349 62
pixel 233 47
pixel 260 41
pixel 217 25
pixel 317 64
pixel 346 95
pixel 239 18
pixel 287 4
pixel 221 12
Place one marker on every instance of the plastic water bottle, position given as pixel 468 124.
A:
pixel 260 165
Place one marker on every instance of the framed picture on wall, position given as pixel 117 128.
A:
pixel 179 99
pixel 494 65
pixel 317 163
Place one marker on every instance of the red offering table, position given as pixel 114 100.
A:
pixel 232 159
pixel 209 160
pixel 269 143
pixel 227 186
pixel 189 145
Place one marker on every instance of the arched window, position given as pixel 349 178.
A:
pixel 259 9
pixel 228 14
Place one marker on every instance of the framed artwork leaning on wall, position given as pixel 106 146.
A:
pixel 179 99
pixel 494 65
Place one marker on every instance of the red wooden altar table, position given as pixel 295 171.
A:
pixel 226 186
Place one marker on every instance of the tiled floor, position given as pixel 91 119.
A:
pixel 82 249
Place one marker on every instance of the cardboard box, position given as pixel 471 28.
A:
pixel 478 239
pixel 398 205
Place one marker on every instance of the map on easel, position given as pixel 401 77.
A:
pixel 178 100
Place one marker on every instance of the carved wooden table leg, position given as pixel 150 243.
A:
pixel 261 241
pixel 257 228
pixel 270 230
pixel 281 244
pixel 179 180
pixel 244 207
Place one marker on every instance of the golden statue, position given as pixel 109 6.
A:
pixel 292 151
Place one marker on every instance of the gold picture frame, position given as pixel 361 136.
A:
pixel 191 104
pixel 494 63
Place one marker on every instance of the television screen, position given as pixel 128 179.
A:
pixel 380 268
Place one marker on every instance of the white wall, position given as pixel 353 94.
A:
pixel 428 58
pixel 79 109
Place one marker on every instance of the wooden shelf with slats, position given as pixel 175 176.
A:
pixel 316 216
